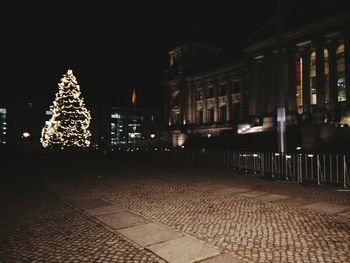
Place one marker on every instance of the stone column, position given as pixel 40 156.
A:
pixel 333 88
pixel 194 103
pixel 189 104
pixel 166 107
pixel 183 91
pixel 228 100
pixel 243 97
pixel 347 66
pixel 251 90
pixel 320 75
pixel 216 103
pixel 205 90
pixel 292 83
pixel 306 81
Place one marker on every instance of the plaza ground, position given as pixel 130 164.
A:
pixel 60 209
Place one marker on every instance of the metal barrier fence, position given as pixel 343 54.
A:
pixel 300 167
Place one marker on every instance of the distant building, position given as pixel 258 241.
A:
pixel 132 125
pixel 21 125
pixel 3 125
pixel 241 95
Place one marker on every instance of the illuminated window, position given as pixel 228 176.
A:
pixel 299 80
pixel 3 124
pixel 341 74
pixel 313 90
pixel 326 75
pixel 199 94
pixel 115 116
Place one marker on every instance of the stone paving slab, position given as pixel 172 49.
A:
pixel 326 207
pixel 294 202
pixel 272 197
pixel 150 234
pixel 184 250
pixel 235 190
pixel 253 194
pixel 122 219
pixel 101 210
pixel 89 203
pixel 224 258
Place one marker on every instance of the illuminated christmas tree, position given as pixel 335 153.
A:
pixel 69 124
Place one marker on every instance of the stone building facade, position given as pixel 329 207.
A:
pixel 305 70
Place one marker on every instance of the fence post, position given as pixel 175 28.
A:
pixel 318 169
pixel 345 171
pixel 336 158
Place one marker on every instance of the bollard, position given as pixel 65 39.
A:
pixel 312 165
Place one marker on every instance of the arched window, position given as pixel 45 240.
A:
pixel 175 100
pixel 341 74
pixel 326 75
pixel 222 89
pixel 210 92
pixel 299 89
pixel 210 115
pixel 176 118
pixel 199 116
pixel 222 113
pixel 313 90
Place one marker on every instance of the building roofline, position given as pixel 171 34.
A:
pixel 300 32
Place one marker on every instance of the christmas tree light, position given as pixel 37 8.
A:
pixel 70 121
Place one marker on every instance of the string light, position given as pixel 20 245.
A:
pixel 70 121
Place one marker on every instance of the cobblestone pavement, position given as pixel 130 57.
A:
pixel 38 227
pixel 208 204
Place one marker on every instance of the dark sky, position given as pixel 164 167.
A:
pixel 112 48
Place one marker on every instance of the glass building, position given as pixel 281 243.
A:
pixel 130 125
pixel 3 126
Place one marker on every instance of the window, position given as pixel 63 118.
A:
pixel 235 87
pixel 341 74
pixel 199 116
pixel 199 94
pixel 313 90
pixel 115 116
pixel 3 124
pixel 326 75
pixel 222 114
pixel 210 92
pixel 175 102
pixel 176 118
pixel 210 113
pixel 299 80
pixel 222 89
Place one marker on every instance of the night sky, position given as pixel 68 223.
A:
pixel 112 48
